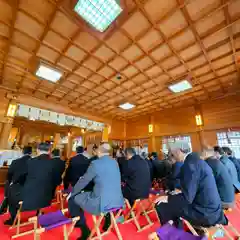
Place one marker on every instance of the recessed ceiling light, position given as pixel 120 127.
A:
pixel 48 73
pixel 127 106
pixel 180 86
pixel 99 13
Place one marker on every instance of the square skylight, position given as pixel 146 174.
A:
pixel 48 73
pixel 180 86
pixel 127 106
pixel 99 13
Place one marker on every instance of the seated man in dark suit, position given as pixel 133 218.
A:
pixel 77 168
pixel 120 156
pixel 173 179
pixel 136 177
pixel 38 188
pixel 199 201
pixel 105 195
pixel 219 154
pixel 16 178
pixel 235 161
pixel 222 177
pixel 59 166
pixel 94 153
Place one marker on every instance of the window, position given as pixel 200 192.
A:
pixel 167 140
pixel 231 140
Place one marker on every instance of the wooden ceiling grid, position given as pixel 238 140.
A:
pixel 149 47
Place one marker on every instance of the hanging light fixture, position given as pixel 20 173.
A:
pixel 11 110
pixel 150 128
pixel 199 121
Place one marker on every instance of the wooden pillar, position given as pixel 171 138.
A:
pixel 152 137
pixel 69 145
pixel 5 133
pixel 105 134
pixel 57 139
pixel 124 134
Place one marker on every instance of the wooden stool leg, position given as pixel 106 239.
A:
pixel 226 233
pixel 135 220
pixel 145 213
pixel 35 230
pixel 61 200
pixel 96 227
pixel 65 234
pixel 74 221
pixel 116 226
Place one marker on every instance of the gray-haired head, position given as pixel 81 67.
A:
pixel 104 149
pixel 130 152
pixel 181 145
pixel 178 150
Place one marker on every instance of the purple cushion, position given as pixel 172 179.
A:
pixel 155 192
pixel 53 220
pixel 169 232
pixel 112 209
pixel 67 191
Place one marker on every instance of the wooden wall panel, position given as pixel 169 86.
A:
pixel 218 115
pixel 223 113
pixel 174 122
pixel 137 128
pixel 117 130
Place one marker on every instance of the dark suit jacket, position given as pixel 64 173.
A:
pixel 39 185
pixel 58 170
pixel 77 168
pixel 236 162
pixel 173 180
pixel 17 171
pixel 150 165
pixel 17 175
pixel 200 201
pixel 136 176
pixel 223 180
pixel 229 165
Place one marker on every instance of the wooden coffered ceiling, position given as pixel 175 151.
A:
pixel 154 43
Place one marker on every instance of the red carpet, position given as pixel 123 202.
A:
pixel 128 230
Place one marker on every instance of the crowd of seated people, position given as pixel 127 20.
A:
pixel 32 181
pixel 99 183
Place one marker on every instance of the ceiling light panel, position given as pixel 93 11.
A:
pixel 48 73
pixel 99 13
pixel 127 106
pixel 180 86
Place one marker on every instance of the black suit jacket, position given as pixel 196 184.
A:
pixel 16 176
pixel 17 171
pixel 58 170
pixel 223 180
pixel 200 201
pixel 77 168
pixel 136 176
pixel 40 183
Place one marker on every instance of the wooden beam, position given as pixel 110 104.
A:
pixel 14 4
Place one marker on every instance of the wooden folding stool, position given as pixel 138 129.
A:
pixel 135 216
pixel 51 221
pixel 17 221
pixel 168 229
pixel 96 233
pixel 213 232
